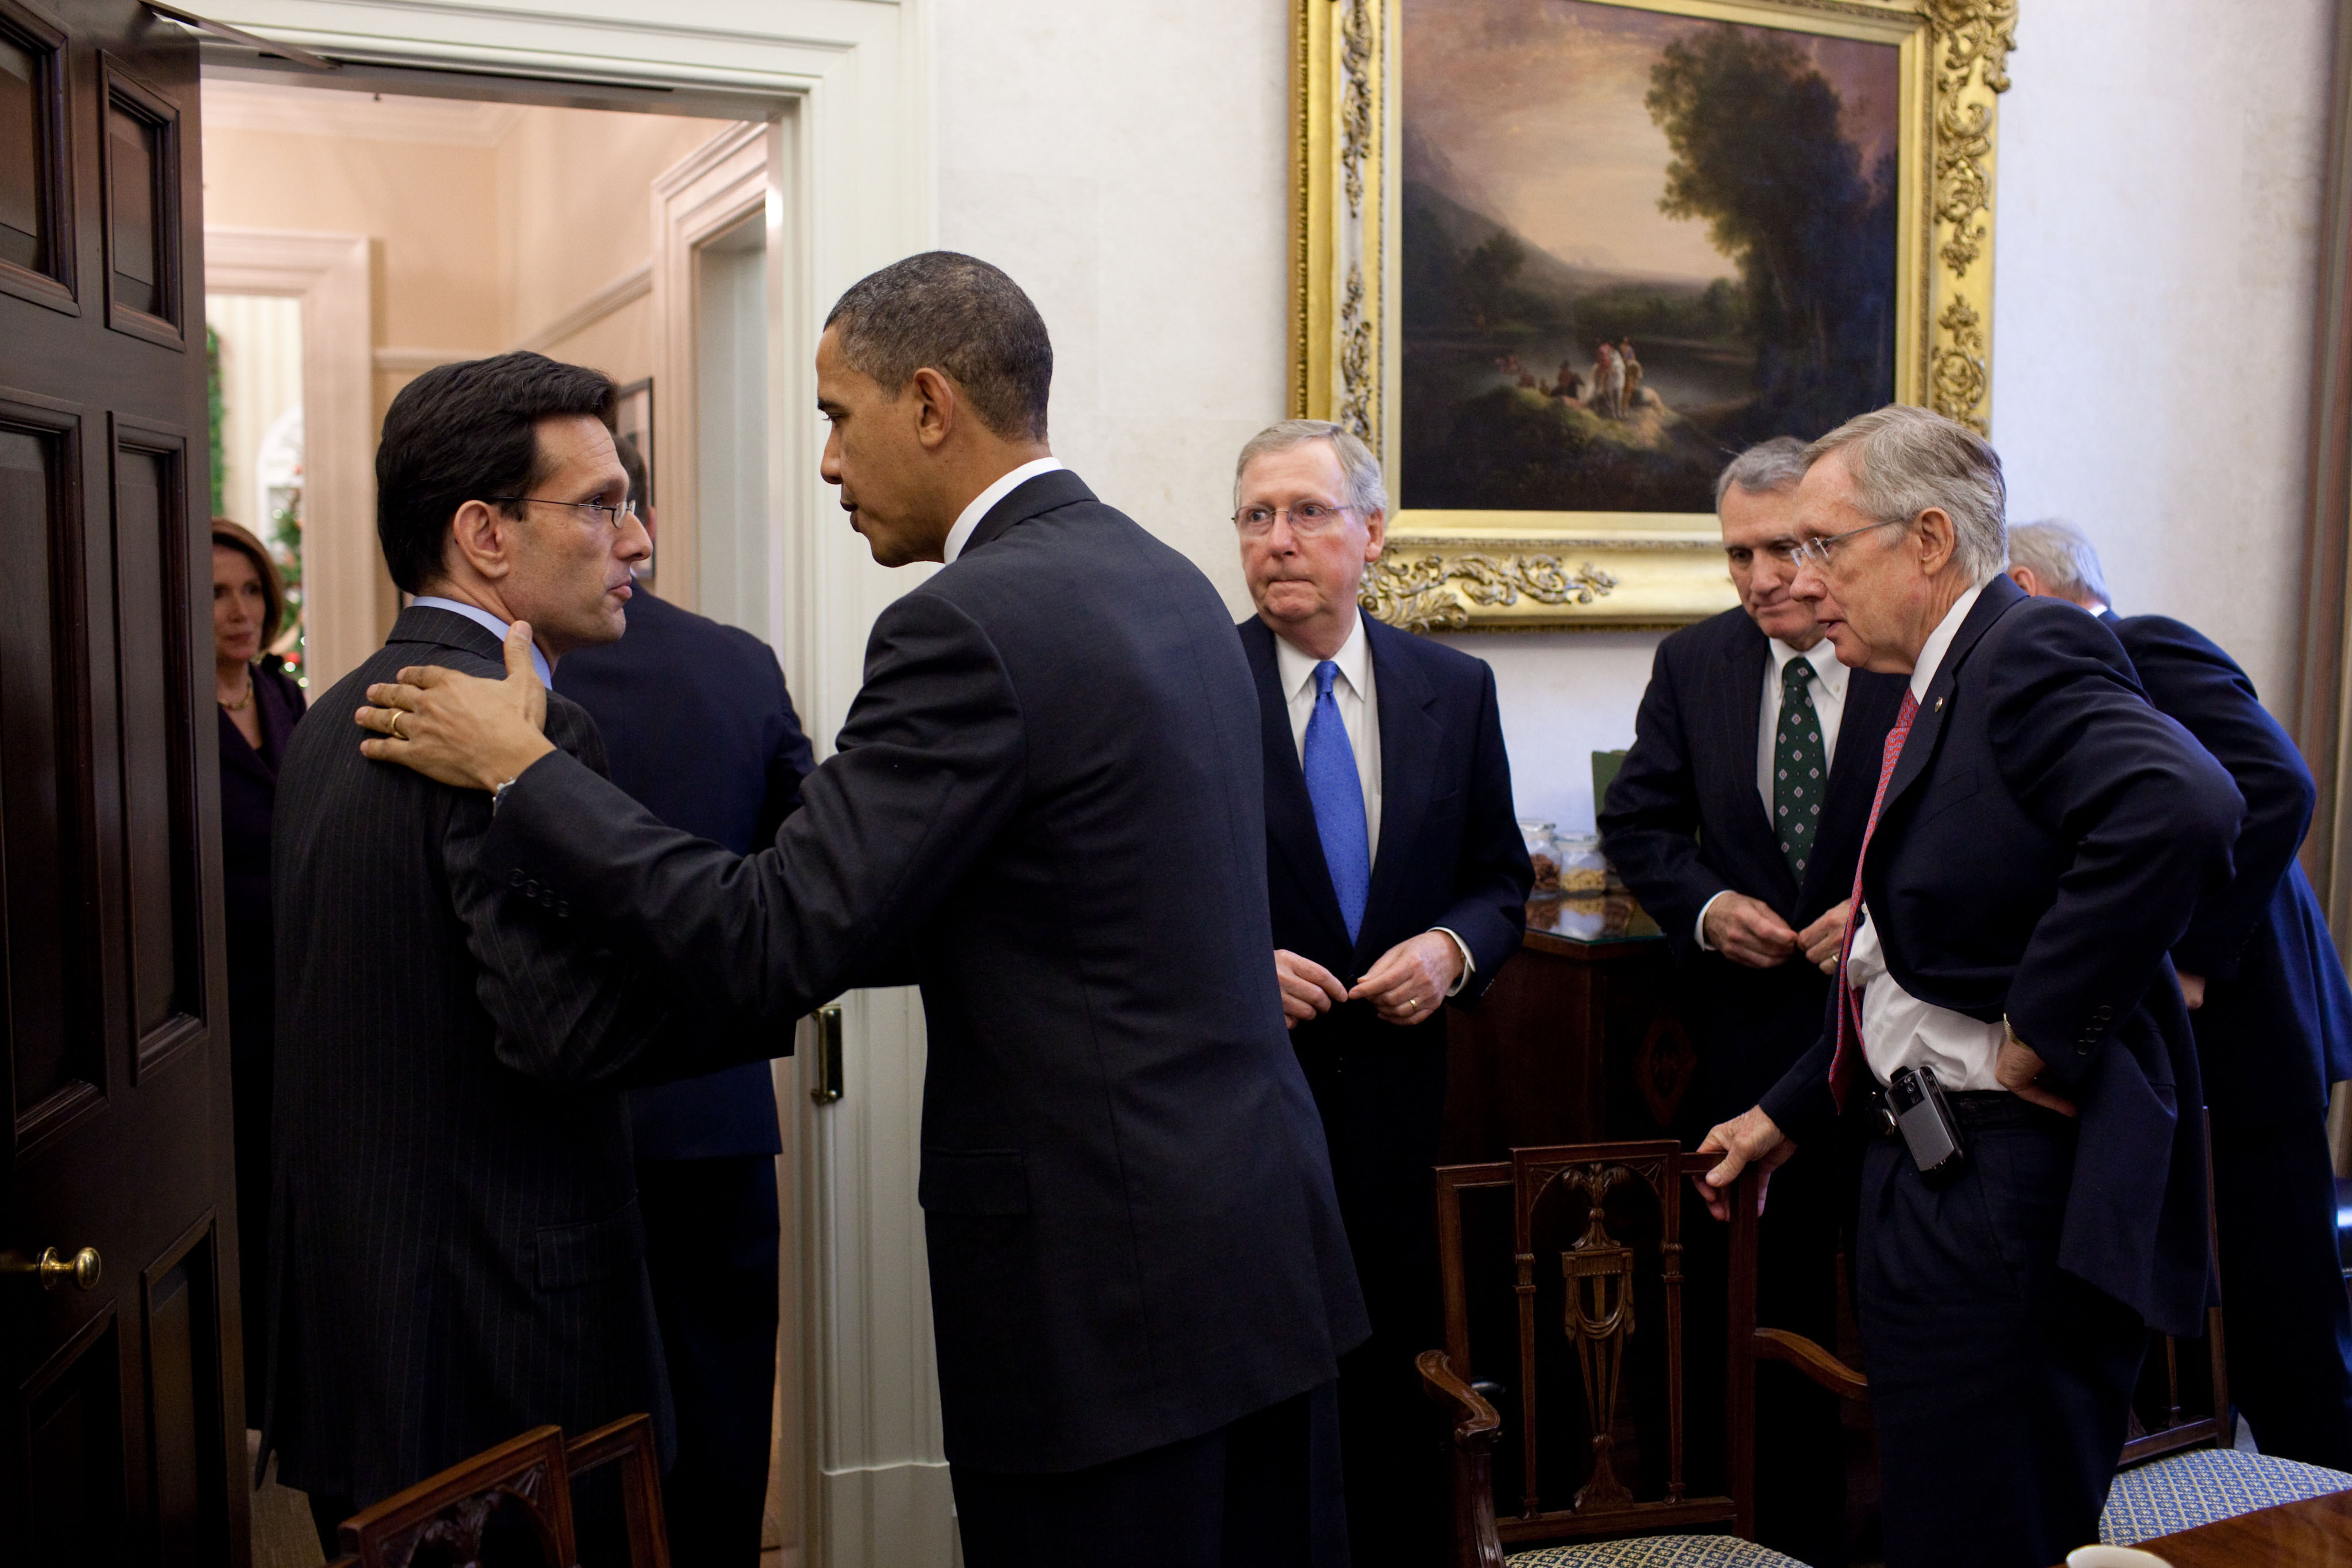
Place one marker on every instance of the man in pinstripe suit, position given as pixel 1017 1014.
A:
pixel 454 1194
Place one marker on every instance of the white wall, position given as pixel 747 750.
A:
pixel 2161 168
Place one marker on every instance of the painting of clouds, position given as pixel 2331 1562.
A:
pixel 1634 243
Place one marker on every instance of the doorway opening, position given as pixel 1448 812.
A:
pixel 356 239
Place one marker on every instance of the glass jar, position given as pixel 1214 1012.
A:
pixel 1582 873
pixel 1543 850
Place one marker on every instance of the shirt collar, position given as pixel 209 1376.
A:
pixel 1828 673
pixel 490 623
pixel 1297 666
pixel 1939 642
pixel 985 502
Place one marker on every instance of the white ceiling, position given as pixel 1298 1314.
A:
pixel 371 116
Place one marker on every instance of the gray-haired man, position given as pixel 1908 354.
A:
pixel 2273 1022
pixel 1735 819
pixel 2037 842
pixel 1398 882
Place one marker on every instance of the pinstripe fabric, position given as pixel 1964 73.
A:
pixel 454 1194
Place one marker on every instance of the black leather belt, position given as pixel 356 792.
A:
pixel 1974 1108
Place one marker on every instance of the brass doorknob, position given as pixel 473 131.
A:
pixel 82 1270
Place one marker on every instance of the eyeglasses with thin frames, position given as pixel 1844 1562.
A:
pixel 618 516
pixel 1305 517
pixel 1817 552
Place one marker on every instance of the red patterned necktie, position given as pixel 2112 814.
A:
pixel 1849 1012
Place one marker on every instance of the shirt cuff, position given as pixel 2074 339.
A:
pixel 1698 930
pixel 1469 965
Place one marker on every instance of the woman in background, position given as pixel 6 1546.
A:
pixel 260 703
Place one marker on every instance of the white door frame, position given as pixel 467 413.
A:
pixel 856 79
pixel 718 185
pixel 329 273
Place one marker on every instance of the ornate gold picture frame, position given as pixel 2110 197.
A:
pixel 1938 68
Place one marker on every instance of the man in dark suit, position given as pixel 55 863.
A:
pixel 1048 797
pixel 462 1255
pixel 1398 880
pixel 1736 820
pixel 2038 843
pixel 699 729
pixel 2273 1022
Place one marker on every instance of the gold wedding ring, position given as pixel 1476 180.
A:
pixel 393 728
pixel 1410 1003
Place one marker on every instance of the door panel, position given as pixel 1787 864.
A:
pixel 58 1065
pixel 149 546
pixel 186 1465
pixel 143 186
pixel 37 249
pixel 121 1402
pixel 71 1453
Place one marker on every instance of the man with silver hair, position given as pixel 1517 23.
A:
pixel 2037 842
pixel 1398 882
pixel 1735 819
pixel 2274 1021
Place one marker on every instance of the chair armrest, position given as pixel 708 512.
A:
pixel 1795 1350
pixel 1472 1426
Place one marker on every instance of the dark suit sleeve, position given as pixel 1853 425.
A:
pixel 2150 815
pixel 1649 823
pixel 930 767
pixel 1801 1105
pixel 1492 877
pixel 2196 684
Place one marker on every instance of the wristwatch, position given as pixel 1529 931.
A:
pixel 498 794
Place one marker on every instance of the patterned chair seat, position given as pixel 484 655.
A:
pixel 1662 1552
pixel 2187 1490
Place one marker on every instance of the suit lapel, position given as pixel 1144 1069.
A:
pixel 1410 738
pixel 1289 814
pixel 1998 596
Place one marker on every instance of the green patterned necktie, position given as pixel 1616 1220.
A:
pixel 1798 776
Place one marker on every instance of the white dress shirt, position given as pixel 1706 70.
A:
pixel 1898 1029
pixel 1358 700
pixel 1828 692
pixel 984 503
pixel 490 623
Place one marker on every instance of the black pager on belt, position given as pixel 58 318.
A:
pixel 1925 1119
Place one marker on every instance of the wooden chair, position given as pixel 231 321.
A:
pixel 522 1487
pixel 1610 1319
pixel 2180 1467
pixel 520 1495
pixel 629 1442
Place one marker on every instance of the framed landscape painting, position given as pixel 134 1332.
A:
pixel 1558 260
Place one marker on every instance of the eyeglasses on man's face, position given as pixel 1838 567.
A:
pixel 1818 553
pixel 618 516
pixel 1305 517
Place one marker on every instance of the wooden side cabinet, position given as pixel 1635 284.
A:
pixel 1575 1040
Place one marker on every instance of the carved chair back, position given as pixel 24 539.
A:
pixel 1566 1362
pixel 1562 1280
pixel 510 1507
pixel 504 1507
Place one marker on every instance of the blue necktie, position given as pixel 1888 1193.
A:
pixel 1337 793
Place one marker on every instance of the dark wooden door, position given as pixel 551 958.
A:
pixel 121 1408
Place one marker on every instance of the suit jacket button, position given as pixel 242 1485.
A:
pixel 515 877
pixel 563 909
